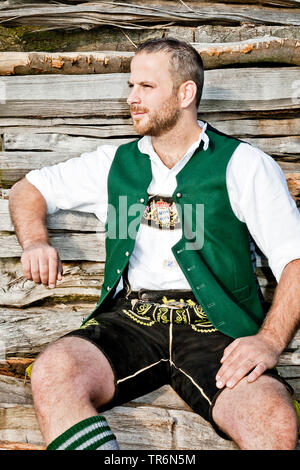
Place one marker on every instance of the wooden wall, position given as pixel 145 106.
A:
pixel 62 92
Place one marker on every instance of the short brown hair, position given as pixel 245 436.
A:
pixel 186 63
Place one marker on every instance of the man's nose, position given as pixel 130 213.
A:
pixel 133 97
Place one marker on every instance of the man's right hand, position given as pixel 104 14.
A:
pixel 41 264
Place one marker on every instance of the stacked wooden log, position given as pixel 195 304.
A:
pixel 63 87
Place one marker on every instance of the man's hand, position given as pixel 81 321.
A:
pixel 244 354
pixel 41 263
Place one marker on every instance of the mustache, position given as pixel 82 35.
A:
pixel 137 109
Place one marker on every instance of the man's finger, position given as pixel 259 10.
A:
pixel 53 270
pixel 227 369
pixel 44 270
pixel 59 271
pixel 235 375
pixel 229 359
pixel 35 269
pixel 257 372
pixel 229 349
pixel 26 266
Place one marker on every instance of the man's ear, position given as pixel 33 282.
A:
pixel 187 93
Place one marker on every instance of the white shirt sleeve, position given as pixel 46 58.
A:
pixel 78 184
pixel 260 197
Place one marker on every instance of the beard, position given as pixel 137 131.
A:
pixel 157 123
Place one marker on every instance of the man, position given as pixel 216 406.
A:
pixel 179 303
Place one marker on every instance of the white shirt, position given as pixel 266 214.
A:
pixel 257 191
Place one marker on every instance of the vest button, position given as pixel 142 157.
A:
pixel 108 288
pixel 201 286
pixel 118 271
pixel 142 200
pixel 179 195
pixel 127 253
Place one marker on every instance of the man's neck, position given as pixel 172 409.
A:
pixel 173 145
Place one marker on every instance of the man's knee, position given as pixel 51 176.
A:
pixel 72 364
pixel 56 363
pixel 258 415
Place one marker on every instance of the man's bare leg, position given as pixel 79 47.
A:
pixel 70 380
pixel 258 415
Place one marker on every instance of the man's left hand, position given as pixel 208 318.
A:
pixel 250 353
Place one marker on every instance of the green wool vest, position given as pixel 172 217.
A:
pixel 220 270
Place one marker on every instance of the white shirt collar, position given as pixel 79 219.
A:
pixel 145 144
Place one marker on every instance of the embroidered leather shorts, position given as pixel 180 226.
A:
pixel 152 339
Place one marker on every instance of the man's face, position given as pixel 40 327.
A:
pixel 153 102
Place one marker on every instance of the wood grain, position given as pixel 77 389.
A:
pixel 137 15
pixel 232 89
pixel 215 55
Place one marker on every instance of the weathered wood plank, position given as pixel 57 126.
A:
pixel 24 63
pixel 184 431
pixel 191 2
pixel 29 38
pixel 251 51
pixel 72 144
pixel 7 445
pixel 14 122
pixel 258 127
pixel 237 126
pixel 136 14
pixel 290 359
pixel 237 89
pixel 85 247
pixel 15 367
pixel 12 169
pixel 27 332
pixel 173 429
pixel 18 424
pixel 222 33
pixel 292 179
pixel 81 282
pixel 258 2
pixel 56 142
pixel 136 428
pixel 277 146
pixel 61 220
pixel 105 131
pixel 15 391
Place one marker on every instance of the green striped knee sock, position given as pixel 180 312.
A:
pixel 90 434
